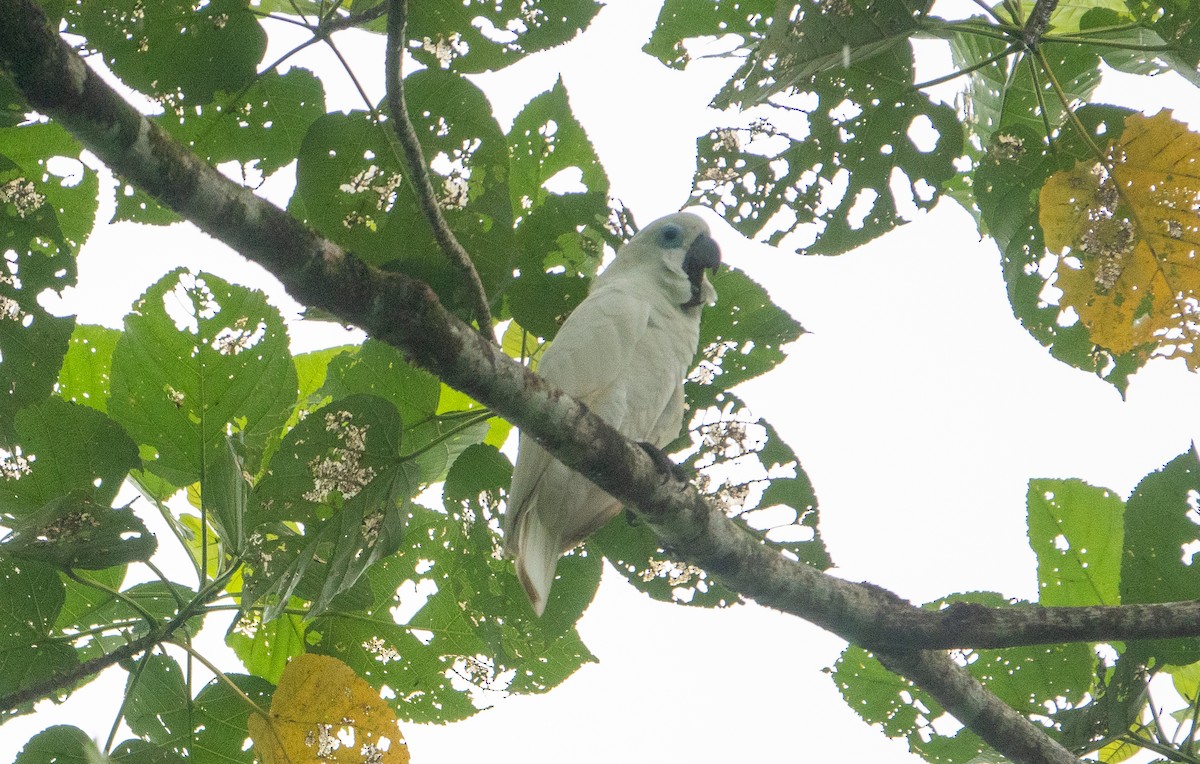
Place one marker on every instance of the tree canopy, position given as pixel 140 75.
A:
pixel 343 503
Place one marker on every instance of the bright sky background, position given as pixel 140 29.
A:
pixel 918 406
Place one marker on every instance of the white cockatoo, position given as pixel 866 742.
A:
pixel 624 352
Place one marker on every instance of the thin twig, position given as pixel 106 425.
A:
pixel 397 16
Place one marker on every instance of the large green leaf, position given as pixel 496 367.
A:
pixel 379 369
pixel 480 35
pixel 31 596
pixel 64 448
pixel 177 50
pixel 476 625
pixel 741 337
pixel 867 142
pixel 47 209
pixel 219 719
pixel 75 532
pixel 157 703
pixel 1159 534
pixel 1013 94
pixel 680 21
pixel 1076 531
pixel 199 358
pixel 352 185
pixel 260 127
pixel 60 744
pixel 1174 21
pixel 812 38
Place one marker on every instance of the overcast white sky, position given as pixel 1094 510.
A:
pixel 918 406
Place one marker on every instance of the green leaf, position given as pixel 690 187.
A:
pixel 47 208
pixel 260 127
pixel 547 140
pixel 177 50
pixel 561 249
pixel 157 703
pixel 1174 21
pixel 64 448
pixel 741 337
pixel 1013 94
pixel 224 494
pixel 500 32
pixel 219 719
pixel 265 648
pixel 1076 531
pixel 683 20
pixel 473 634
pixel 179 391
pixel 379 369
pixel 47 156
pixel 75 532
pixel 84 377
pixel 60 744
pixel 31 596
pixel 1138 49
pixel 352 186
pixel 140 752
pixel 864 128
pixel 815 39
pixel 339 473
pixel 1160 530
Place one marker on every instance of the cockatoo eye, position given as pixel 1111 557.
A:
pixel 671 235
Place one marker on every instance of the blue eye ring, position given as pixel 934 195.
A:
pixel 671 235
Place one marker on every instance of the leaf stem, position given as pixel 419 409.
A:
pixel 118 595
pixel 1066 104
pixel 482 417
pixel 407 134
pixel 219 674
pixel 134 676
pixel 973 68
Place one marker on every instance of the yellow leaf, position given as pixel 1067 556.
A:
pixel 322 711
pixel 1126 230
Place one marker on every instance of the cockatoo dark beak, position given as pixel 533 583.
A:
pixel 704 254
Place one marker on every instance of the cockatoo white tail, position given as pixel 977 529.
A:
pixel 624 352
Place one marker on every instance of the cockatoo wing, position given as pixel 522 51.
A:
pixel 588 359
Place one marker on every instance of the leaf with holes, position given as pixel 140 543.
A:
pixel 1076 530
pixel 323 711
pixel 63 448
pixel 833 164
pixel 1160 539
pixel 1126 230
pixel 199 358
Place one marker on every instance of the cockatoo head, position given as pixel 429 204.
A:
pixel 677 250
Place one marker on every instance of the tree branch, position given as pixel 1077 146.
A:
pixel 967 700
pixel 1035 25
pixel 426 198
